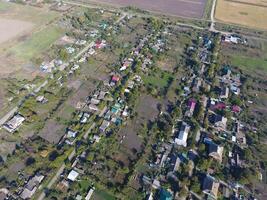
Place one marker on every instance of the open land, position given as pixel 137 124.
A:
pixel 249 13
pixel 184 8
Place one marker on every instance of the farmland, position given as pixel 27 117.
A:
pixel 183 8
pixel 249 13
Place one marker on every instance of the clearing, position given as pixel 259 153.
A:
pixel 249 13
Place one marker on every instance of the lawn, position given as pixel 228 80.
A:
pixel 36 44
pixel 159 79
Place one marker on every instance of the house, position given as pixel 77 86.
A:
pixel 219 121
pixel 71 135
pixel 115 79
pixel 191 107
pixel 14 123
pixel 73 175
pixel 156 184
pixel 165 195
pixel 105 124
pixel 3 193
pixel 183 134
pixel 95 101
pixel 236 109
pixel 196 84
pixel 224 93
pixel 211 186
pixel 41 99
pixel 93 107
pixel 216 151
pixel 31 186
pixel 84 118
pixel 89 194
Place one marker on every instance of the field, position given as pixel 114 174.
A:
pixel 252 59
pixel 23 34
pixel 250 13
pixel 183 8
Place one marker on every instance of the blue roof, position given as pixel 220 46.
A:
pixel 165 195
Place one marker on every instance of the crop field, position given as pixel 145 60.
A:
pixel 250 13
pixel 183 8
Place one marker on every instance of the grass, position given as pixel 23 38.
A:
pixel 250 64
pixel 37 43
pixel 158 79
pixel 102 194
pixel 38 16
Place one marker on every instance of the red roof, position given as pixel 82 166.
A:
pixel 115 78
pixel 236 108
pixel 192 103
pixel 219 106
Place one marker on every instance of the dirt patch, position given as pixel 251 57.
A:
pixel 10 28
pixel 52 132
pixel 147 111
pixel 80 95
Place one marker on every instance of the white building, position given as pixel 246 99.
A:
pixel 14 123
pixel 183 134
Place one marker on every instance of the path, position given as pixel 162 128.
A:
pixel 62 167
pixel 53 180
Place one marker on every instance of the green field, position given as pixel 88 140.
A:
pixel 250 64
pixel 159 79
pixel 38 16
pixel 36 44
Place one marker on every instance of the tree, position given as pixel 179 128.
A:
pixel 30 161
pixel 53 155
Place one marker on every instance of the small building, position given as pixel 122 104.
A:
pixel 73 175
pixel 105 124
pixel 216 151
pixel 211 186
pixel 14 123
pixel 224 93
pixel 191 107
pixel 93 107
pixel 183 134
pixel 31 186
pixel 41 99
pixel 89 194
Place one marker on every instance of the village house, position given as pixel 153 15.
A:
pixel 89 194
pixel 191 107
pixel 215 151
pixel 218 121
pixel 70 136
pixel 183 134
pixel 224 93
pixel 93 107
pixel 14 123
pixel 41 99
pixel 73 175
pixel 31 186
pixel 211 186
pixel 105 124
